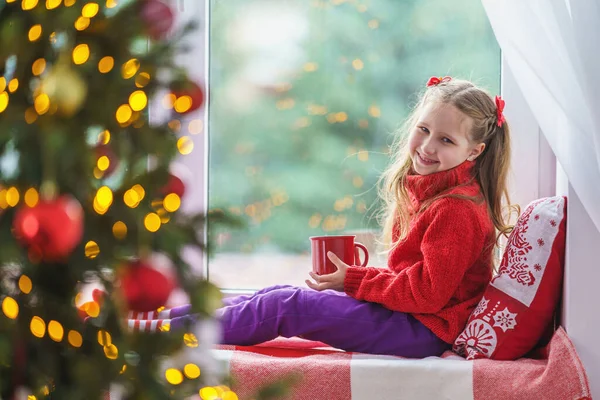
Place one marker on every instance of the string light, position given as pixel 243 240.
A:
pixel 130 68
pixel 30 115
pixel 124 113
pixel 138 100
pixel 12 196
pixel 169 100
pixel 29 4
pixel 104 338
pixel 229 395
pixel 152 222
pixel 37 327
pixel 106 64
pixel 208 393
pixel 111 3
pixel 38 67
pixel 139 189
pixel 195 126
pixel 172 202
pixel 35 32
pixel 183 104
pixel 3 202
pixel 3 101
pixel 82 23
pixel 55 331
pixel 191 371
pixel 75 339
pixel 69 3
pixel 10 308
pixel 104 196
pixel 103 163
pixel 131 198
pixel 13 85
pixel 111 352
pixel 25 284
pixel 119 230
pixel 142 79
pixel 42 104
pixel 175 125
pixel 185 145
pixel 174 376
pixel 104 137
pixel 190 340
pixel 81 53
pixel 92 249
pixel 52 4
pixel 90 10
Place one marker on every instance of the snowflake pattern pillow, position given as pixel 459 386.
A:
pixel 519 303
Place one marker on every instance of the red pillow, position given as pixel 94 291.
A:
pixel 519 303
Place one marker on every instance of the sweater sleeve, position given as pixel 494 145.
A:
pixel 452 242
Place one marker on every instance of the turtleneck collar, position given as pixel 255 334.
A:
pixel 423 187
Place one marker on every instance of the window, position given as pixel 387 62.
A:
pixel 304 98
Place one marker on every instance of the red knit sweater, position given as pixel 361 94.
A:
pixel 439 272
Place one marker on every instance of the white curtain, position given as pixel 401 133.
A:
pixel 551 46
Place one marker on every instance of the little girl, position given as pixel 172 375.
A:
pixel 444 192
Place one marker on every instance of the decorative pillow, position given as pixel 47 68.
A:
pixel 519 303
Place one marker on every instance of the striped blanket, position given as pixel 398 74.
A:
pixel 552 373
pixel 555 373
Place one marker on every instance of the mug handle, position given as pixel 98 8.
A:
pixel 365 251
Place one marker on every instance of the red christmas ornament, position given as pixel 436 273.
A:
pixel 158 18
pixel 174 185
pixel 144 287
pixel 51 229
pixel 113 161
pixel 189 97
pixel 179 178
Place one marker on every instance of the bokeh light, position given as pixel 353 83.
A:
pixel 25 284
pixel 174 376
pixel 10 308
pixel 106 64
pixel 37 327
pixel 55 331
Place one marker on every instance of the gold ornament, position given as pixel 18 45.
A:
pixel 65 88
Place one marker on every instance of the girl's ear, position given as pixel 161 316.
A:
pixel 476 151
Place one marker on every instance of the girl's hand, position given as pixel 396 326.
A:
pixel 333 281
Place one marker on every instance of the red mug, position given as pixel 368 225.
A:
pixel 342 246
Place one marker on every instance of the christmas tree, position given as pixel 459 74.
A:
pixel 90 226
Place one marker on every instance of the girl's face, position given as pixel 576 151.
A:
pixel 440 140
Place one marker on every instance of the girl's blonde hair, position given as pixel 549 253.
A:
pixel 490 170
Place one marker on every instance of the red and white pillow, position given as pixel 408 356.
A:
pixel 519 304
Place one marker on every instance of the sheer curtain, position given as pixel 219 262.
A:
pixel 551 47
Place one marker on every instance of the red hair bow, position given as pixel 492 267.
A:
pixel 434 80
pixel 499 110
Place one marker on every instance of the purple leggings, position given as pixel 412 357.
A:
pixel 330 317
